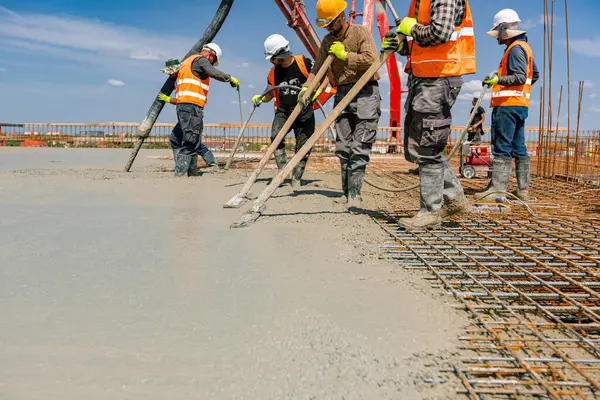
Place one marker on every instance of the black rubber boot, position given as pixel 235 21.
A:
pixel 297 175
pixel 355 182
pixel 501 168
pixel 455 201
pixel 522 166
pixel 193 168
pixel 432 189
pixel 182 165
pixel 209 159
pixel 280 158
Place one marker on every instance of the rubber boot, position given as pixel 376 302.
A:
pixel 297 175
pixel 193 167
pixel 345 173
pixel 209 159
pixel 182 165
pixel 355 181
pixel 501 168
pixel 432 197
pixel 523 178
pixel 280 158
pixel 455 201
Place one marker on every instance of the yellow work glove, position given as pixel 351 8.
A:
pixel 164 97
pixel 257 100
pixel 338 50
pixel 301 99
pixel 234 82
pixel 491 81
pixel 406 26
pixel 390 42
pixel 317 94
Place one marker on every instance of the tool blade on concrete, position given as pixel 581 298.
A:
pixel 235 202
pixel 245 220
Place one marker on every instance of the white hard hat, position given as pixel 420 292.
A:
pixel 506 16
pixel 215 49
pixel 276 44
pixel 506 20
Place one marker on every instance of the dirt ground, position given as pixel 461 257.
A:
pixel 120 285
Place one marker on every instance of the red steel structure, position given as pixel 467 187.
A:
pixel 295 13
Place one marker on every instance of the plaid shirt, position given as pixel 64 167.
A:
pixel 446 15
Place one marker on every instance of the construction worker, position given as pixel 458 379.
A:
pixel 511 93
pixel 288 69
pixel 191 95
pixel 172 66
pixel 440 51
pixel 476 129
pixel 356 127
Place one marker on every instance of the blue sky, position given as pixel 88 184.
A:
pixel 92 61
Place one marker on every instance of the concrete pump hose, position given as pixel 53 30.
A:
pixel 449 156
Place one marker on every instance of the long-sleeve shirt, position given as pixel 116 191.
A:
pixel 362 53
pixel 202 68
pixel 517 66
pixel 446 15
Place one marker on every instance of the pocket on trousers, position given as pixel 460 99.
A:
pixel 369 133
pixel 369 107
pixel 435 132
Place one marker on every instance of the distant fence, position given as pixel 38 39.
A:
pixel 219 137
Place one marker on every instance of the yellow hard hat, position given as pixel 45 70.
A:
pixel 328 10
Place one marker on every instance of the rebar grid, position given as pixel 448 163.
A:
pixel 532 288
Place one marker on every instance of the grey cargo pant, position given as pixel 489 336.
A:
pixel 304 128
pixel 429 118
pixel 356 127
pixel 187 134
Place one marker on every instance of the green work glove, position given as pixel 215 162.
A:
pixel 338 50
pixel 390 42
pixel 491 81
pixel 257 100
pixel 317 94
pixel 234 82
pixel 164 97
pixel 406 26
pixel 301 96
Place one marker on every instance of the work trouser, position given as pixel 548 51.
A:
pixel 429 118
pixel 303 127
pixel 508 132
pixel 476 136
pixel 356 127
pixel 186 137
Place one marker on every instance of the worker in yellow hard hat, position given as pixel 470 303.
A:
pixel 355 51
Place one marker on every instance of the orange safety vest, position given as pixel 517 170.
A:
pixel 190 88
pixel 514 96
pixel 454 58
pixel 323 98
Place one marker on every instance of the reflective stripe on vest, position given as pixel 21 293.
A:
pixel 271 78
pixel 190 88
pixel 514 96
pixel 454 58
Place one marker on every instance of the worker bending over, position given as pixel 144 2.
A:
pixel 511 93
pixel 191 95
pixel 356 127
pixel 288 69
pixel 440 52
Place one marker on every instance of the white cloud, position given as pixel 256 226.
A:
pixel 245 65
pixel 79 36
pixel 472 86
pixel 3 70
pixel 236 102
pixel 595 109
pixel 385 110
pixel 593 95
pixel 586 47
pixel 116 82
pixel 251 86
pixel 472 89
pixel 529 24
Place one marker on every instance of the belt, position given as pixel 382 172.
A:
pixel 370 83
